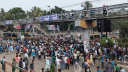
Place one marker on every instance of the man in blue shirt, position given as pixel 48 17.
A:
pixel 102 60
pixel 112 64
pixel 33 54
pixel 98 69
pixel 0 49
pixel 17 47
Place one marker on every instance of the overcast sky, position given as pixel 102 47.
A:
pixel 28 4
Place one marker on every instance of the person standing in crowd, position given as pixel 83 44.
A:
pixel 32 66
pixel 112 64
pixel 85 65
pixel 18 48
pixel 39 54
pixel 20 64
pixel 47 66
pixel 52 67
pixel 2 62
pixel 33 54
pixel 78 54
pixel 109 68
pixel 58 61
pixel 27 63
pixel 75 57
pixel 68 62
pixel 0 49
pixel 14 63
pixel 98 70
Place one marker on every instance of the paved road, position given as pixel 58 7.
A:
pixel 39 64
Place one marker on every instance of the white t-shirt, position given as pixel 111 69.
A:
pixel 65 60
pixel 56 53
pixel 18 59
pixel 23 64
pixel 58 61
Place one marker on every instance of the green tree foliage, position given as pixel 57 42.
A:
pixel 109 43
pixel 2 14
pixel 36 11
pixel 123 36
pixel 17 13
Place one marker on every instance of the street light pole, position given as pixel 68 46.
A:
pixel 50 9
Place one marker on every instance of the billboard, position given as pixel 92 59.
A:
pixel 8 22
pixel 48 17
pixel 18 26
pixel 22 26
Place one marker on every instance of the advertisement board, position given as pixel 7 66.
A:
pixel 48 17
pixel 18 26
pixel 8 22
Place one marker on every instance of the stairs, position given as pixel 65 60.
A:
pixel 40 29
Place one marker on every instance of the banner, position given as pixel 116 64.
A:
pixel 58 27
pixel 18 26
pixel 26 26
pixel 54 17
pixel 51 27
pixel 23 26
pixel 8 22
pixel 48 17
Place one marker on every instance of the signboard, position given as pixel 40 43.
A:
pixel 18 26
pixel 8 22
pixel 51 27
pixel 48 17
pixel 24 26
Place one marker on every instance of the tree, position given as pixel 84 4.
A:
pixel 87 5
pixel 2 14
pixel 36 11
pixel 122 25
pixel 17 13
pixel 109 43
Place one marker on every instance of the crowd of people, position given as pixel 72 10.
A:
pixel 64 52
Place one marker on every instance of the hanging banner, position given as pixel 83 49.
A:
pixel 18 26
pixel 48 17
pixel 51 27
pixel 8 22
pixel 54 17
pixel 26 26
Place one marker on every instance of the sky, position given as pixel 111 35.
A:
pixel 43 4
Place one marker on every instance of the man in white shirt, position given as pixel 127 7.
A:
pixel 58 63
pixel 65 61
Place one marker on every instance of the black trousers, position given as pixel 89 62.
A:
pixel 39 56
pixel 17 50
pixel 44 56
pixel 67 66
pixel 33 57
pixel 85 69
pixel 94 60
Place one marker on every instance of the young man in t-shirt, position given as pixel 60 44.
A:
pixel 68 62
pixel 98 70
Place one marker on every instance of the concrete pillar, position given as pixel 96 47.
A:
pixel 86 38
pixel 1 33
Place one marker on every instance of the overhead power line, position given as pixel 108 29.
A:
pixel 77 4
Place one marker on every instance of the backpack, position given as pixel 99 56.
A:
pixel 118 70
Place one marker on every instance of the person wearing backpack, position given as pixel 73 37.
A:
pixel 117 69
